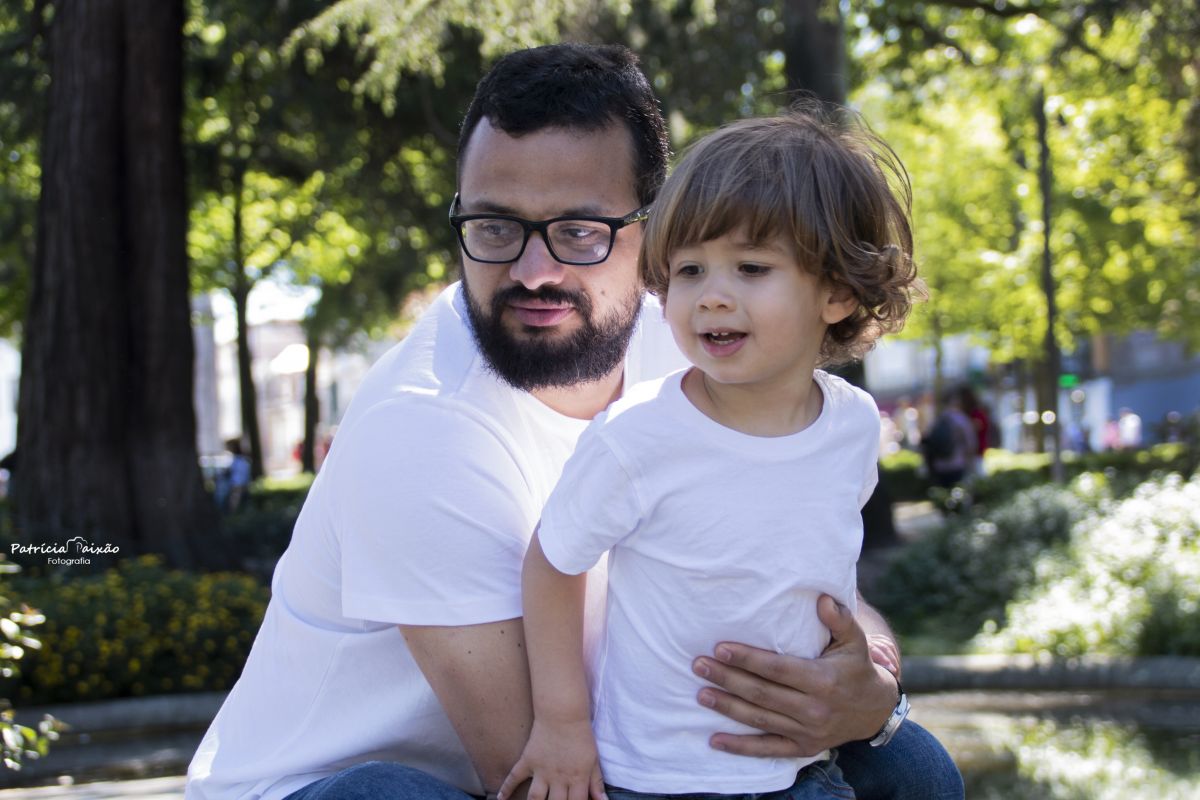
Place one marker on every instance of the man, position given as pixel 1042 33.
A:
pixel 391 660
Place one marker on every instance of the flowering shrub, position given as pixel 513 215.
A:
pixel 139 629
pixel 1128 584
pixel 964 573
pixel 18 742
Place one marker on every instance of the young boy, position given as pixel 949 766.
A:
pixel 727 495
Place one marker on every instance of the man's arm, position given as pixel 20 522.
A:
pixel 802 705
pixel 481 677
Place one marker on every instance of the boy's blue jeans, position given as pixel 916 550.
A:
pixel 913 766
pixel 820 781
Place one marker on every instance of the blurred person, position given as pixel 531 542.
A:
pixel 237 477
pixel 950 445
pixel 1129 430
pixel 981 422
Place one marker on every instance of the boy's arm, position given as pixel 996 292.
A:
pixel 560 756
pixel 884 649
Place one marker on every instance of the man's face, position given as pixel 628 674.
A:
pixel 541 323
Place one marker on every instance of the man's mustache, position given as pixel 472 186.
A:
pixel 546 294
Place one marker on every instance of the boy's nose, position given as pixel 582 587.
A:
pixel 716 296
pixel 536 267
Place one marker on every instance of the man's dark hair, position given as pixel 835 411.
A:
pixel 576 86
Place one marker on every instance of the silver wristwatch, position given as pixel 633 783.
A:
pixel 893 722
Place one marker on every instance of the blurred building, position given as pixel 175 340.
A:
pixel 279 360
pixel 1103 375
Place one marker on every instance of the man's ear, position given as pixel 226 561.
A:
pixel 840 303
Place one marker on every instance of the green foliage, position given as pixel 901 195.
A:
pixel 1008 473
pixel 19 742
pixel 904 472
pixel 963 574
pixel 1128 584
pixel 1088 758
pixel 23 80
pixel 139 629
pixel 259 531
pixel 952 86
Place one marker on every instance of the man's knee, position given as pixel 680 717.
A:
pixel 913 766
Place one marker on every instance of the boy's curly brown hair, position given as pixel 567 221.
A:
pixel 817 176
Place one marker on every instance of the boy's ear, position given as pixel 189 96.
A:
pixel 840 303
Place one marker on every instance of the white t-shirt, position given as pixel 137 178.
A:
pixel 712 535
pixel 420 515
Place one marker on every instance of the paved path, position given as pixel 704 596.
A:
pixel 151 789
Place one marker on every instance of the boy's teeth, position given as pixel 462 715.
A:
pixel 723 337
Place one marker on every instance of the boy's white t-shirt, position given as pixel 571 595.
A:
pixel 420 515
pixel 712 535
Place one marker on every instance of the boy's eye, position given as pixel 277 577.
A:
pixel 687 270
pixel 755 269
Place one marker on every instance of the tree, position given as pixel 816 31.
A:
pixel 1116 128
pixel 106 436
pixel 22 74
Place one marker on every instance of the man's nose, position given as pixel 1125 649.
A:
pixel 536 267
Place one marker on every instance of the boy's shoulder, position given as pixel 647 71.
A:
pixel 844 397
pixel 644 401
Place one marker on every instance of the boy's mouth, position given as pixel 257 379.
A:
pixel 723 337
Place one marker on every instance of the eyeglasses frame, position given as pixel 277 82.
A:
pixel 542 226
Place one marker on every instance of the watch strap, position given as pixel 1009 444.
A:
pixel 893 722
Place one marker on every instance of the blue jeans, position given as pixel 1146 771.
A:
pixel 819 781
pixel 913 766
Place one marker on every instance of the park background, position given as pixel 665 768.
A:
pixel 214 215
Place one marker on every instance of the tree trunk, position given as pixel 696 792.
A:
pixel 815 62
pixel 107 433
pixel 312 405
pixel 815 49
pixel 1053 360
pixel 251 436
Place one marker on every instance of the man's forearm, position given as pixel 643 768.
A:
pixel 481 678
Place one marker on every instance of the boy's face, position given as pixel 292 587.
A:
pixel 750 314
pixel 538 321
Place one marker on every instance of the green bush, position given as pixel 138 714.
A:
pixel 19 742
pixel 1009 473
pixel 904 474
pixel 258 532
pixel 964 573
pixel 1128 584
pixel 138 629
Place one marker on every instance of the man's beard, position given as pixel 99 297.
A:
pixel 542 359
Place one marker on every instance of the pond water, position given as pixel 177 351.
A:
pixel 1132 745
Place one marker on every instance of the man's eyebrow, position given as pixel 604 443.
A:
pixel 493 207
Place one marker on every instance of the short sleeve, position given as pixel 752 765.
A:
pixel 870 478
pixel 593 507
pixel 434 516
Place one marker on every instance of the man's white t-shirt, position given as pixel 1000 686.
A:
pixel 713 535
pixel 420 515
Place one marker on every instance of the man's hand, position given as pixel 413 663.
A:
pixel 560 762
pixel 803 706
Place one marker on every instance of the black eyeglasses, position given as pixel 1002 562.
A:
pixel 501 238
